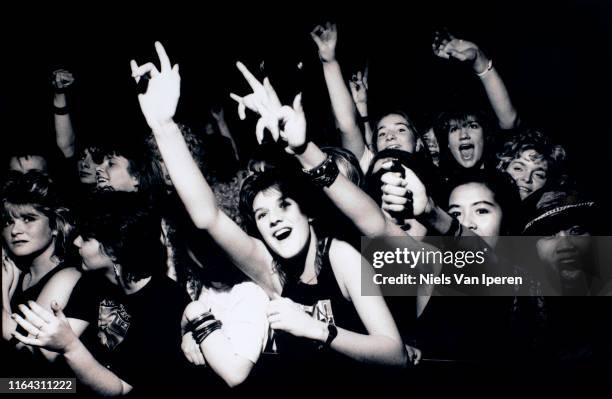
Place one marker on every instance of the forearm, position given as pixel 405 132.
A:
pixel 499 98
pixel 343 108
pixel 188 180
pixel 350 199
pixel 225 132
pixel 222 358
pixel 372 349
pixel 436 219
pixel 64 130
pixel 92 374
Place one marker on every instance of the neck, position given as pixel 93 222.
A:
pixel 310 266
pixel 43 262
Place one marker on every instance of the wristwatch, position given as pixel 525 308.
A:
pixel 332 333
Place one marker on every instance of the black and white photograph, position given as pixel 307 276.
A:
pixel 307 199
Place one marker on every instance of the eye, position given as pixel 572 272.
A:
pixel 455 214
pixel 28 219
pixel 284 204
pixel 382 133
pixel 402 130
pixel 577 231
pixel 7 222
pixel 260 215
pixel 540 175
pixel 482 211
pixel 517 168
pixel 474 125
pixel 453 129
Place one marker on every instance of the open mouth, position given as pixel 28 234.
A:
pixel 101 180
pixel 282 234
pixel 394 147
pixel 466 151
pixel 524 189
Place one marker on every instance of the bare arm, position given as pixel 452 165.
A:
pixel 55 334
pixel 158 105
pixel 339 94
pixel 446 46
pixel 64 130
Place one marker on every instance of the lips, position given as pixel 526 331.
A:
pixel 18 242
pixel 466 151
pixel 101 181
pixel 393 147
pixel 282 233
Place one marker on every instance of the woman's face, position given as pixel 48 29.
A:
pixel 87 168
pixel 529 171
pixel 565 252
pixel 114 175
pixel 27 231
pixel 474 205
pixel 281 223
pixel 92 255
pixel 430 140
pixel 466 141
pixel 393 131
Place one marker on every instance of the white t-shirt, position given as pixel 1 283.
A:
pixel 366 159
pixel 242 310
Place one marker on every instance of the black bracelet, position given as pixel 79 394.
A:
pixel 197 322
pixel 325 174
pixel 299 150
pixel 201 335
pixel 364 119
pixel 61 111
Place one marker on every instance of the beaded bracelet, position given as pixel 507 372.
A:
pixel 325 174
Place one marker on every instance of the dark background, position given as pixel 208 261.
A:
pixel 553 56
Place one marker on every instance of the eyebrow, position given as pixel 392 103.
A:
pixel 395 124
pixel 484 202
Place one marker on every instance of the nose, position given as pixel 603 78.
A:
pixel 468 222
pixel 275 218
pixel 16 228
pixel 78 242
pixel 465 134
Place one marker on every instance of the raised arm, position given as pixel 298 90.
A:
pixel 219 115
pixel 158 105
pixel 62 80
pixel 350 199
pixel 342 103
pixel 447 46
pixel 52 331
pixel 359 90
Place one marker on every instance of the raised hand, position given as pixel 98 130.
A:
pixel 447 46
pixel 218 113
pixel 326 38
pixel 47 330
pixel 158 103
pixel 359 87
pixel 61 80
pixel 284 122
pixel 286 315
